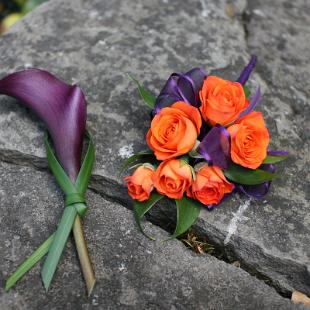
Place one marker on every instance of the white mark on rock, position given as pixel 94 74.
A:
pixel 238 217
pixel 205 12
pixel 122 267
pixel 28 65
pixel 126 151
pixel 95 301
pixel 259 13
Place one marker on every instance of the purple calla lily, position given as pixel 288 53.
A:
pixel 62 107
pixel 215 147
pixel 181 87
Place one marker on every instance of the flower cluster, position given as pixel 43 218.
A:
pixel 206 139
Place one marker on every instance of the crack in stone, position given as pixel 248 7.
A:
pixel 115 192
pixel 245 20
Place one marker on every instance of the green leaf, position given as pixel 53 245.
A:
pixel 54 244
pixel 30 5
pixel 59 242
pixel 62 179
pixel 271 159
pixel 140 208
pixel 29 263
pixel 148 98
pixel 187 213
pixel 246 91
pixel 136 157
pixel 247 176
pixel 194 154
pixel 85 172
pixel 184 160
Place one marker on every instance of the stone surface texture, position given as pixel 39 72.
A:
pixel 95 43
pixel 132 272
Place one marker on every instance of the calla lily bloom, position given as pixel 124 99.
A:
pixel 62 108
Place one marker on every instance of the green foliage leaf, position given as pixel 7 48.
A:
pixel 30 5
pixel 271 159
pixel 195 154
pixel 148 97
pixel 55 243
pixel 140 208
pixel 187 213
pixel 145 155
pixel 29 263
pixel 74 205
pixel 58 244
pixel 246 91
pixel 247 176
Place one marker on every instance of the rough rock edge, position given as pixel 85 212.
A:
pixel 116 192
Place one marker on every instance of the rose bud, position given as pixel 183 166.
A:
pixel 174 130
pixel 221 100
pixel 173 177
pixel 140 184
pixel 249 140
pixel 210 185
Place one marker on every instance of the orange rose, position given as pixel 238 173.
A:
pixel 174 130
pixel 140 184
pixel 221 101
pixel 210 185
pixel 249 140
pixel 172 178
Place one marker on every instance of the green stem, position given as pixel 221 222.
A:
pixel 81 246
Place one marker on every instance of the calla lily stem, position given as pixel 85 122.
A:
pixel 81 246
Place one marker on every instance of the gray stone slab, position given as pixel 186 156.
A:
pixel 132 272
pixel 95 43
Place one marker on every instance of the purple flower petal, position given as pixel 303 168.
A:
pixel 277 153
pixel 215 147
pixel 61 106
pixel 257 191
pixel 254 101
pixel 245 74
pixel 181 87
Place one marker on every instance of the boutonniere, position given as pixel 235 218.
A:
pixel 206 142
pixel 62 108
